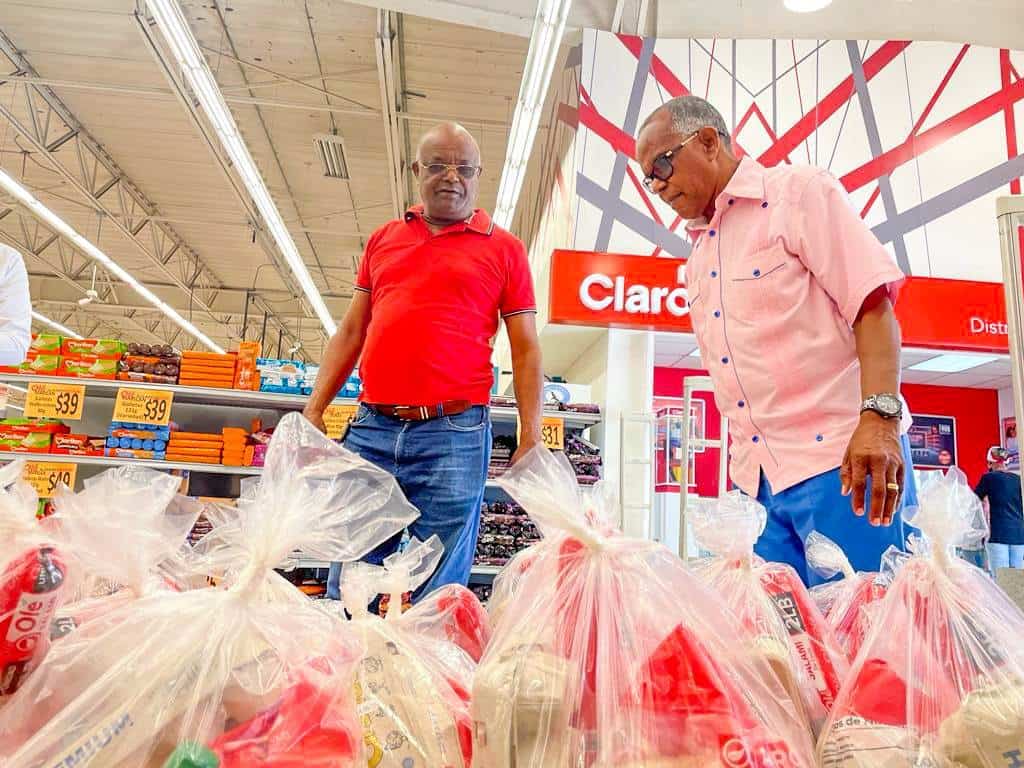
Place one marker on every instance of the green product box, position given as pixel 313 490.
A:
pixel 46 344
pixel 42 365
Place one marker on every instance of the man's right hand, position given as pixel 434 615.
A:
pixel 316 418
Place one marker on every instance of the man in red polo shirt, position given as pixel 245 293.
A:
pixel 430 290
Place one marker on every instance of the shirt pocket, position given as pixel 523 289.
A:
pixel 757 285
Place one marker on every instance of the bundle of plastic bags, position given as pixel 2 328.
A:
pixel 414 679
pixel 248 673
pixel 848 603
pixel 780 621
pixel 608 652
pixel 940 678
pixel 33 580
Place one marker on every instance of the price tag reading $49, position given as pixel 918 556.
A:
pixel 46 476
pixel 143 406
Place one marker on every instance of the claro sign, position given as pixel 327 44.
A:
pixel 618 291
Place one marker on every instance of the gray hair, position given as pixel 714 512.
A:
pixel 691 113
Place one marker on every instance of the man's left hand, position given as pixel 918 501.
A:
pixel 526 444
pixel 874 450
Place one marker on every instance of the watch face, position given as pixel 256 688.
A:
pixel 888 404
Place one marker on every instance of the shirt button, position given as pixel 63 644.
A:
pixel 714 274
pixel 757 273
pixel 725 361
pixel 764 204
pixel 756 439
pixel 711 233
pixel 819 438
pixel 731 201
pixel 742 403
pixel 718 313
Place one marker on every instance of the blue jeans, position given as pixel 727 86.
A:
pixel 818 504
pixel 441 466
pixel 1005 556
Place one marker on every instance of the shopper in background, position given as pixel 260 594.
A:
pixel 999 490
pixel 430 290
pixel 791 297
pixel 15 308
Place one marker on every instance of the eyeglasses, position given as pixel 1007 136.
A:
pixel 465 171
pixel 662 167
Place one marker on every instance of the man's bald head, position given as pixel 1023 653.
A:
pixel 448 168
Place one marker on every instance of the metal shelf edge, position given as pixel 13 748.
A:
pixel 114 461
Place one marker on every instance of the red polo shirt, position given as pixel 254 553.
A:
pixel 435 303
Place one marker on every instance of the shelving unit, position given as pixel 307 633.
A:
pixel 114 461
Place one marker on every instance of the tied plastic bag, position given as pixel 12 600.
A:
pixel 781 623
pixel 413 685
pixel 125 531
pixel 847 603
pixel 249 673
pixel 609 652
pixel 940 678
pixel 33 580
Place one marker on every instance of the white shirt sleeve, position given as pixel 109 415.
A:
pixel 15 308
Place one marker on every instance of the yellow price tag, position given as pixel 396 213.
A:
pixel 552 432
pixel 337 418
pixel 143 406
pixel 55 401
pixel 46 476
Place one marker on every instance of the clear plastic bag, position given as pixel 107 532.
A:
pixel 940 678
pixel 414 679
pixel 609 652
pixel 33 580
pixel 846 603
pixel 250 673
pixel 780 620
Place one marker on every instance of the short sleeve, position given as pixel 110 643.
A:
pixel 982 490
pixel 364 281
pixel 839 249
pixel 518 297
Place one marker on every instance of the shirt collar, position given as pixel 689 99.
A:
pixel 747 182
pixel 480 222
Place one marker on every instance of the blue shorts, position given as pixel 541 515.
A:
pixel 818 504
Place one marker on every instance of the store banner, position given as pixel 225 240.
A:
pixel 953 314
pixel 612 290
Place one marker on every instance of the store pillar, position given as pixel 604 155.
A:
pixel 1010 213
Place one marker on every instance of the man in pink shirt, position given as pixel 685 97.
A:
pixel 791 297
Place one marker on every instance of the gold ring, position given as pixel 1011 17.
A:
pixel 893 487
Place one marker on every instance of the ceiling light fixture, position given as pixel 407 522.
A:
pixel 806 6
pixel 953 363
pixel 58 225
pixel 62 329
pixel 179 38
pixel 548 27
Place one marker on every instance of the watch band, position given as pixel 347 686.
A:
pixel 873 404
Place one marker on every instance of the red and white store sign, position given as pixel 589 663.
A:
pixel 618 291
pixel 953 314
pixel 613 290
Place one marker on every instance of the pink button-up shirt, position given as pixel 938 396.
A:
pixel 776 280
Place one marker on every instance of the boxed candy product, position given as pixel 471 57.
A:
pixel 246 674
pixel 939 680
pixel 780 621
pixel 88 367
pixel 37 364
pixel 607 651
pixel 111 349
pixel 46 344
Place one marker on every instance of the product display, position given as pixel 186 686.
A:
pixel 30 435
pixel 247 673
pixel 505 529
pixel 597 661
pixel 780 621
pixel 939 680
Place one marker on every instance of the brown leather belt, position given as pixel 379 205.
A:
pixel 421 412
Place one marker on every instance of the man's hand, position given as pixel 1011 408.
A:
pixel 527 442
pixel 874 450
pixel 316 418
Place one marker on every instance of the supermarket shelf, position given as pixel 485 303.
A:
pixel 241 398
pixel 486 570
pixel 114 461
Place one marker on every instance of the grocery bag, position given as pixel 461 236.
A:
pixel 939 680
pixel 33 580
pixel 413 681
pixel 848 603
pixel 609 652
pixel 248 673
pixel 780 621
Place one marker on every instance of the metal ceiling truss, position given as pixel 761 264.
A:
pixel 392 89
pixel 56 136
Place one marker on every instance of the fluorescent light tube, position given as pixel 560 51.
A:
pixel 62 329
pixel 953 363
pixel 548 27
pixel 806 6
pixel 172 24
pixel 58 225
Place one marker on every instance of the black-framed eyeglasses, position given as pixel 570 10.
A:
pixel 662 168
pixel 465 171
